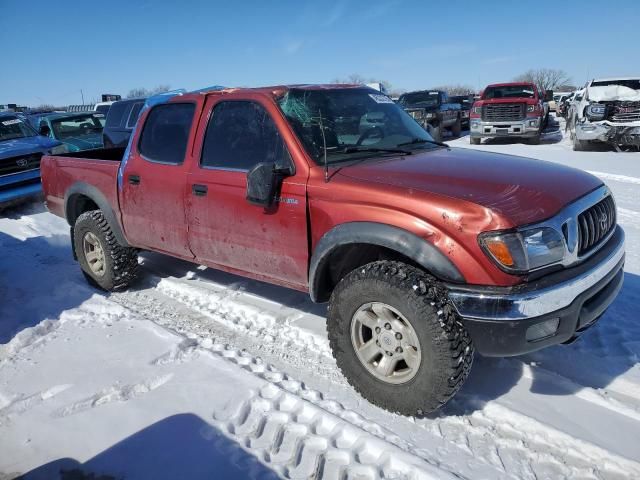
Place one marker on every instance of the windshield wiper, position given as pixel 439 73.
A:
pixel 415 141
pixel 355 149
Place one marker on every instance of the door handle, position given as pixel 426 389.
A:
pixel 199 190
pixel 134 179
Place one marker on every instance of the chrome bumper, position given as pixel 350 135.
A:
pixel 527 126
pixel 514 304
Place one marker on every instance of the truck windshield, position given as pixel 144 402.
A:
pixel 427 99
pixel 76 126
pixel 509 91
pixel 351 122
pixel 12 127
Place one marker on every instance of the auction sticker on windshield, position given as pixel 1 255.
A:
pixel 380 98
pixel 11 122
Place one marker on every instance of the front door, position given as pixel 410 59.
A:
pixel 225 229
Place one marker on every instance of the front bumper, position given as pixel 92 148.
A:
pixel 20 185
pixel 499 318
pixel 605 131
pixel 528 127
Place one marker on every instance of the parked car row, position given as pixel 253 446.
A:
pixel 28 134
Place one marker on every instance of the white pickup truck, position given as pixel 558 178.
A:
pixel 609 112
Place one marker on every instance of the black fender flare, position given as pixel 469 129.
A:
pixel 394 238
pixel 91 192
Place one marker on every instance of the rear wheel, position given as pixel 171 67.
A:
pixel 397 339
pixel 104 262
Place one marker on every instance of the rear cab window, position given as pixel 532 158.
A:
pixel 166 132
pixel 133 116
pixel 115 114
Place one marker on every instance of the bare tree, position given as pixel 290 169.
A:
pixel 143 92
pixel 358 79
pixel 457 89
pixel 545 78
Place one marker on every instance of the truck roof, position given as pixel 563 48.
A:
pixel 506 84
pixel 275 90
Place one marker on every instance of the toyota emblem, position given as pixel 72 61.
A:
pixel 604 220
pixel 22 162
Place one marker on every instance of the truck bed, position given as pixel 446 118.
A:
pixel 72 173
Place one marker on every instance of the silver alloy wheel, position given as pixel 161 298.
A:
pixel 94 253
pixel 385 343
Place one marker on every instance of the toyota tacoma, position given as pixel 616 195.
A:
pixel 425 253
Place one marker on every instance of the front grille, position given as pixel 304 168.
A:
pixel 20 164
pixel 624 112
pixel 595 224
pixel 503 112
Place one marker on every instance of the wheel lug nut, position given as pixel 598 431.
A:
pixel 377 329
pixel 398 336
pixel 387 326
pixel 399 350
pixel 390 354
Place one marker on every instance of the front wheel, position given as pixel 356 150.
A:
pixel 435 132
pixel 397 339
pixel 104 262
pixel 474 140
pixel 457 128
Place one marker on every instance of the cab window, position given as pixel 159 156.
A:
pixel 240 135
pixel 166 132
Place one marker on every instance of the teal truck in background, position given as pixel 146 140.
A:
pixel 78 131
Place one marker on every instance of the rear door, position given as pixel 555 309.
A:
pixel 224 229
pixel 154 181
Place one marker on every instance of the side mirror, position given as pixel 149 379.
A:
pixel 45 131
pixel 263 181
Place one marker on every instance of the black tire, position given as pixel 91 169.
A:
pixel 445 345
pixel 457 128
pixel 579 145
pixel 474 140
pixel 436 133
pixel 535 140
pixel 121 263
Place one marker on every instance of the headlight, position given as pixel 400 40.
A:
pixel 59 150
pixel 596 111
pixel 477 110
pixel 522 252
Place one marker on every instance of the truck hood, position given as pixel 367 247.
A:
pixel 426 108
pixel 26 145
pixel 521 189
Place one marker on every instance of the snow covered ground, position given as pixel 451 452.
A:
pixel 193 373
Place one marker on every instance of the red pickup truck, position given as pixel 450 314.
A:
pixel 426 253
pixel 509 110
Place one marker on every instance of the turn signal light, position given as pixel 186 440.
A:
pixel 500 251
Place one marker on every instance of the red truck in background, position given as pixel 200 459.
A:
pixel 510 110
pixel 426 253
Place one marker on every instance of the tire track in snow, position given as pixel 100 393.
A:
pixel 510 450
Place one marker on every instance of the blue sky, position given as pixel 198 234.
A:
pixel 51 49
